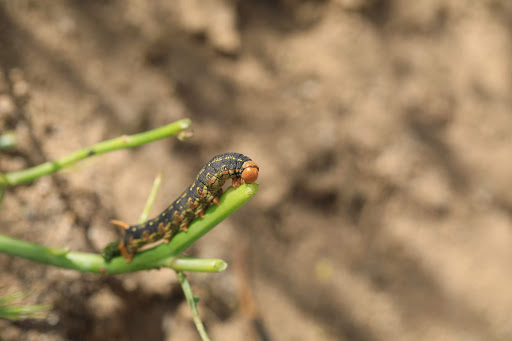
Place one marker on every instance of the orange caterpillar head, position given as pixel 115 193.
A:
pixel 250 172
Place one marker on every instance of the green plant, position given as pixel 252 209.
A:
pixel 163 255
pixel 10 311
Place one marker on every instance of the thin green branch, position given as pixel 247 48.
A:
pixel 20 312
pixel 151 198
pixel 192 302
pixel 156 257
pixel 126 141
pixel 195 264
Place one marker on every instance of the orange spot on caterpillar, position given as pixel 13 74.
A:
pixel 161 228
pixel 191 203
pixel 120 224
pixel 203 195
pixel 177 216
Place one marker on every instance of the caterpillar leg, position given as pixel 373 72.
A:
pixel 216 201
pixel 236 182
pixel 127 256
pixel 168 236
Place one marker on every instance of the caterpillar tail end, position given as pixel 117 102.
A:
pixel 110 251
pixel 119 223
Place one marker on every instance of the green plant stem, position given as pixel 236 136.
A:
pixel 195 264
pixel 126 141
pixel 90 262
pixel 151 199
pixel 19 312
pixel 191 300
pixel 159 256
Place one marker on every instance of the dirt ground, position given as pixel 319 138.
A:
pixel 382 132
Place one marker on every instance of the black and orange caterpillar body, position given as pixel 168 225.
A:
pixel 204 191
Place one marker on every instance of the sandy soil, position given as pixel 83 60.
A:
pixel 382 132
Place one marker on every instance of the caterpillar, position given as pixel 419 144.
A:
pixel 204 191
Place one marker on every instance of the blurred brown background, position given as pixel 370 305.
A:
pixel 382 132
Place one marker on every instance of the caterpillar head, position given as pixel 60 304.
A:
pixel 250 172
